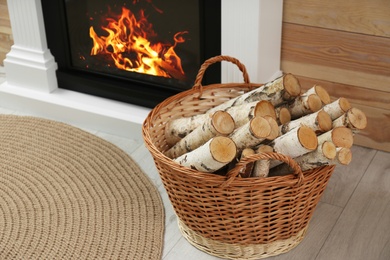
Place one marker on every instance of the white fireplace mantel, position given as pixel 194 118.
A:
pixel 253 36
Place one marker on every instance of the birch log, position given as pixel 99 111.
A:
pixel 261 167
pixel 337 108
pixel 304 104
pixel 177 129
pixel 252 133
pixel 213 155
pixel 274 127
pixel 242 114
pixel 297 142
pixel 354 119
pixel 265 108
pixel 321 93
pixel 323 155
pixel 319 122
pixel 341 137
pixel 221 123
pixel 284 88
pixel 246 171
pixel 343 156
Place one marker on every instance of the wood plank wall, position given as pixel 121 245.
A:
pixel 343 46
pixel 6 40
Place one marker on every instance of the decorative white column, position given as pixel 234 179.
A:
pixel 251 32
pixel 29 64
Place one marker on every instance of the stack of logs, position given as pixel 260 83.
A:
pixel 275 117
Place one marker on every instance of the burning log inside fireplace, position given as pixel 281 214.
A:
pixel 131 43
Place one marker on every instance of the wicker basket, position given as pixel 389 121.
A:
pixel 225 216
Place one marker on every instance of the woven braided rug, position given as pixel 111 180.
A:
pixel 67 194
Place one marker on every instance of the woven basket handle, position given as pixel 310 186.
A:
pixel 233 173
pixel 207 63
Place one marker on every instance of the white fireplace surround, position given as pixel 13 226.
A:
pixel 251 32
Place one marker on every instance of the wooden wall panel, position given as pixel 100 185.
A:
pixel 360 16
pixel 343 46
pixel 336 49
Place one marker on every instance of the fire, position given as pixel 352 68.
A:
pixel 128 42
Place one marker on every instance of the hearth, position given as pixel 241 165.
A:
pixel 134 51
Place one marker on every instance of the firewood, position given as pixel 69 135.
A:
pixel 341 136
pixel 247 170
pixel 344 156
pixel 283 115
pixel 252 133
pixel 321 93
pixel 274 127
pixel 177 129
pixel 213 155
pixel 323 155
pixel 304 104
pixel 297 142
pixel 242 114
pixel 319 122
pixel 261 167
pixel 354 118
pixel 221 123
pixel 284 88
pixel 337 108
pixel 265 108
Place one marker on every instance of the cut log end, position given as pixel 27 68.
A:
pixel 284 115
pixel 274 128
pixel 223 122
pixel 291 86
pixel 323 94
pixel 223 149
pixel 265 108
pixel 344 104
pixel 314 102
pixel 344 156
pixel 324 121
pixel 357 118
pixel 307 137
pixel 264 149
pixel 260 127
pixel 342 137
pixel 329 150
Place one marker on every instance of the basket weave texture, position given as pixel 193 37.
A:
pixel 227 216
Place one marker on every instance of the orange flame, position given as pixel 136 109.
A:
pixel 130 48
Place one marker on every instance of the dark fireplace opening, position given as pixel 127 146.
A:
pixel 134 51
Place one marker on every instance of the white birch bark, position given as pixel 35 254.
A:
pixel 319 122
pixel 337 108
pixel 297 142
pixel 281 89
pixel 261 167
pixel 304 104
pixel 252 133
pixel 321 93
pixel 354 119
pixel 221 123
pixel 341 137
pixel 210 157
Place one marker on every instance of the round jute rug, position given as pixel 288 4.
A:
pixel 67 194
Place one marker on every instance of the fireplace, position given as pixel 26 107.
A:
pixel 140 52
pixel 31 85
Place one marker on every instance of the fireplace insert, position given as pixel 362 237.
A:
pixel 134 51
